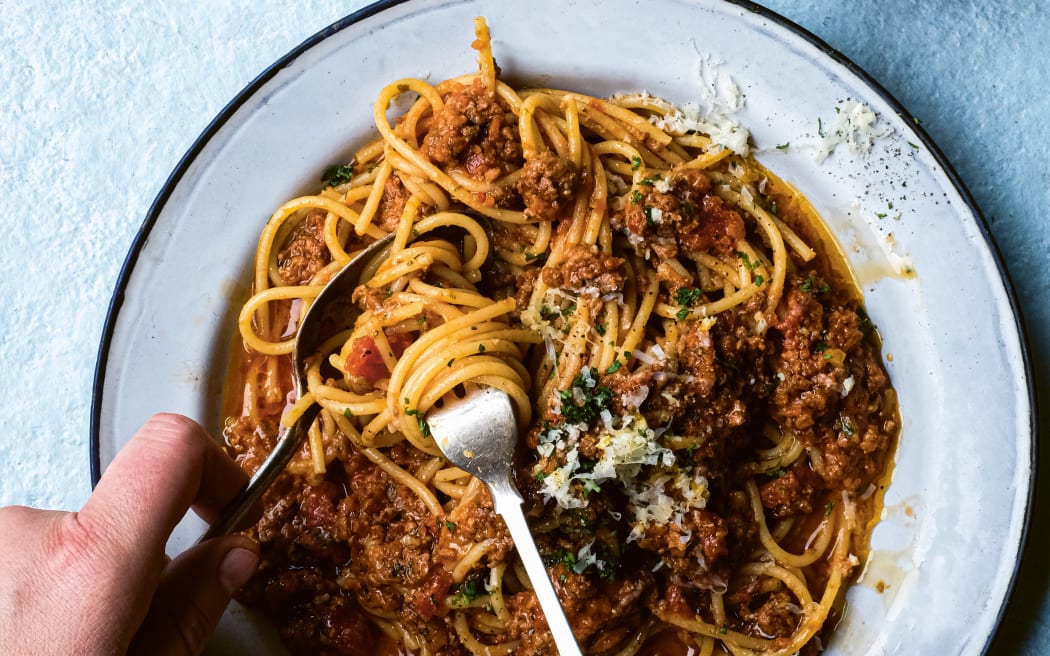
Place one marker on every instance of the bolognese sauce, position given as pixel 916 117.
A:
pixel 710 425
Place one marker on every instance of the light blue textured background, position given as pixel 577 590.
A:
pixel 101 99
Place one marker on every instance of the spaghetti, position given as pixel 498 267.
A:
pixel 706 420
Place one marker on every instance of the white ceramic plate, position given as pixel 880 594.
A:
pixel 946 550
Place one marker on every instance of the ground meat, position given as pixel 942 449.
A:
pixel 696 353
pixel 371 299
pixel 315 617
pixel 717 228
pixel 525 285
pixel 528 625
pixel 777 616
pixel 546 184
pixel 583 268
pixel 469 524
pixel 630 389
pixel 740 521
pixel 792 492
pixel 843 330
pixel 694 548
pixel 392 203
pixel 306 252
pixel 810 380
pixel 831 389
pixel 683 217
pixel 473 131
pixel 601 612
pixel 249 442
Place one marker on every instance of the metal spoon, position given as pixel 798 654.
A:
pixel 477 433
pixel 331 312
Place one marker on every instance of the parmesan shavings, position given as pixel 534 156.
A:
pixel 625 448
pixel 720 98
pixel 855 125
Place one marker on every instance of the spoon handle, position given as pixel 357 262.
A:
pixel 507 502
pixel 288 442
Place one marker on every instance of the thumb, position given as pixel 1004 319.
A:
pixel 194 591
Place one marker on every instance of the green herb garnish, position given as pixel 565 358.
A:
pixel 337 174
pixel 421 420
pixel 594 398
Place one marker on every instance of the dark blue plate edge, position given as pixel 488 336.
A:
pixel 117 299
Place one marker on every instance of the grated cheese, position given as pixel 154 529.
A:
pixel 855 125
pixel 720 98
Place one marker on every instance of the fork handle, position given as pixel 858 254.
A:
pixel 507 502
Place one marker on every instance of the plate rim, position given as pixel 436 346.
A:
pixel 825 49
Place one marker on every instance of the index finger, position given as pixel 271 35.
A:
pixel 170 464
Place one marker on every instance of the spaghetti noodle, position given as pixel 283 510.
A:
pixel 706 422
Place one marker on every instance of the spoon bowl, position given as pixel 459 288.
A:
pixel 331 312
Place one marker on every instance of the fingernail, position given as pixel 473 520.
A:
pixel 236 568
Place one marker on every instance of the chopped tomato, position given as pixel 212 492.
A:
pixel 366 362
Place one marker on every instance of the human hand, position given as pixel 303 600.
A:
pixel 98 581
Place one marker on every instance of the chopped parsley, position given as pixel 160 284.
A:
pixel 810 286
pixel 915 146
pixel 600 328
pixel 560 557
pixel 481 348
pixel 337 174
pixel 636 197
pixel 450 525
pixel 686 297
pixel 751 266
pixel 614 367
pixel 424 427
pixel 648 212
pixel 759 280
pixel 585 399
pixel 828 507
pixel 472 587
pixel 783 146
pixel 348 413
pixel 636 163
